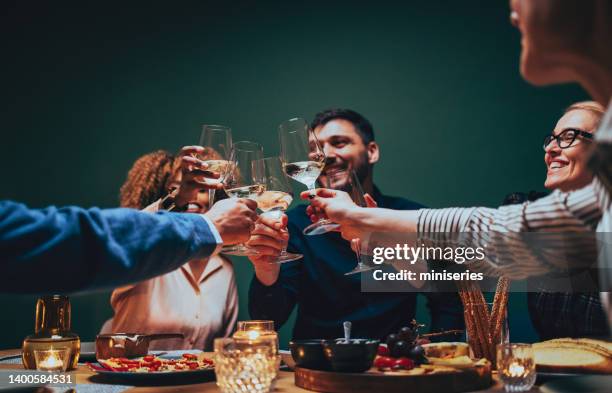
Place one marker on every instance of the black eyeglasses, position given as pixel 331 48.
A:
pixel 566 138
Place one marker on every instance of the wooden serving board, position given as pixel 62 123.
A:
pixel 375 381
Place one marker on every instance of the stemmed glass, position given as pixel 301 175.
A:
pixel 351 185
pixel 217 142
pixel 244 178
pixel 276 198
pixel 303 161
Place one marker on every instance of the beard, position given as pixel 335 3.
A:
pixel 337 172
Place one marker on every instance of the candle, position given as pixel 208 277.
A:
pixel 52 360
pixel 246 365
pixel 516 370
pixel 252 330
pixel 516 366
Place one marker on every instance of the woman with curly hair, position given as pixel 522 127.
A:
pixel 200 298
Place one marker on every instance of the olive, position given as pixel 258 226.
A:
pixel 417 353
pixel 407 334
pixel 391 340
pixel 399 349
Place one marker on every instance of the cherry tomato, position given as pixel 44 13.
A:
pixel 148 358
pixel 405 363
pixel 383 362
pixel 383 350
pixel 190 356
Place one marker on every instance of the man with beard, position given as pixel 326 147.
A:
pixel 317 284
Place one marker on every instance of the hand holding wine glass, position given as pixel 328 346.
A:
pixel 303 160
pixel 276 198
pixel 234 219
pixel 244 178
pixel 217 143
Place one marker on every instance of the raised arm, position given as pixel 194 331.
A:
pixel 72 249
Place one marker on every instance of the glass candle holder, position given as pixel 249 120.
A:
pixel 516 367
pixel 252 330
pixel 52 360
pixel 243 365
pixel 51 330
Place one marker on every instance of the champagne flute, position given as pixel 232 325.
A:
pixel 352 186
pixel 276 198
pixel 303 161
pixel 244 178
pixel 217 141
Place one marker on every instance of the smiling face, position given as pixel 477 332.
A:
pixel 567 168
pixel 344 149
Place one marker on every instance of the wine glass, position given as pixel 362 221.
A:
pixel 303 161
pixel 276 198
pixel 244 178
pixel 351 185
pixel 217 142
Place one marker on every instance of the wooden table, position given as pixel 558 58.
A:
pixel 284 383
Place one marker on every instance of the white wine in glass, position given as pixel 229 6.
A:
pixel 244 178
pixel 303 160
pixel 275 200
pixel 305 172
pixel 217 141
pixel 253 192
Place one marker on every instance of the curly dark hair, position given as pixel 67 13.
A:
pixel 148 179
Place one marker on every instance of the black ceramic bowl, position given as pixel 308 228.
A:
pixel 309 354
pixel 355 356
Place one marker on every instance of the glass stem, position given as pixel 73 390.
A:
pixel 211 197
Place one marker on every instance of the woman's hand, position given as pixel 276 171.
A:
pixel 336 206
pixel 194 176
pixel 331 204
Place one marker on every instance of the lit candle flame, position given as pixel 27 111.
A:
pixel 53 362
pixel 516 370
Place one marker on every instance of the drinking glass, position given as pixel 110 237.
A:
pixel 217 142
pixel 276 198
pixel 352 186
pixel 52 360
pixel 303 161
pixel 475 311
pixel 255 329
pixel 244 178
pixel 516 366
pixel 243 365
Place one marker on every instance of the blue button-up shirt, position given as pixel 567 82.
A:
pixel 71 249
pixel 325 297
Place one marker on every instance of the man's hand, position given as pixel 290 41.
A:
pixel 234 219
pixel 269 238
pixel 194 175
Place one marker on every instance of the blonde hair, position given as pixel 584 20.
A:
pixel 591 106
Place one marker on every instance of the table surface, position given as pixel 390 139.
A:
pixel 284 383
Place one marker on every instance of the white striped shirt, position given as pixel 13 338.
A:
pixel 562 214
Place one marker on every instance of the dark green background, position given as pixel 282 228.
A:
pixel 88 88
